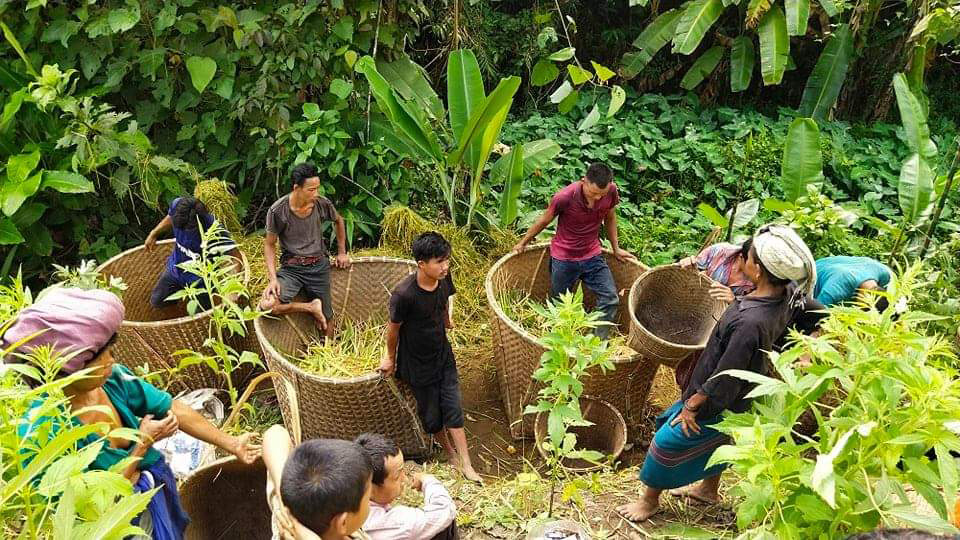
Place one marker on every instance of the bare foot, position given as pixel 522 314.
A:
pixel 316 309
pixel 638 511
pixel 697 493
pixel 468 473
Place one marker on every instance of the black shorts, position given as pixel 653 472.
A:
pixel 313 281
pixel 438 404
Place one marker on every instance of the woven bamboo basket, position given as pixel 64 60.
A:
pixel 607 435
pixel 672 313
pixel 517 353
pixel 342 408
pixel 227 498
pixel 152 336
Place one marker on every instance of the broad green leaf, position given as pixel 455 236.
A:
pixel 774 46
pixel 561 93
pixel 490 135
pixel 823 480
pixel 915 188
pixel 465 95
pixel 166 17
pixel 8 233
pixel 544 72
pixel 123 19
pixel 410 81
pixel 13 195
pixel 830 7
pixel 914 119
pixel 742 60
pixel 802 161
pixel 756 10
pixel 712 214
pixel 591 119
pixel 933 524
pixel 745 212
pixel 67 182
pixel 39 239
pixel 657 34
pixel 484 116
pixel 514 167
pixel 563 54
pixel 19 166
pixel 826 80
pixel 65 517
pixel 569 102
pixel 202 70
pixel 694 24
pixel 798 13
pixel 60 30
pixel 118 518
pixel 603 73
pixel 341 88
pixel 702 68
pixel 578 75
pixel 28 214
pixel 617 98
pixel 351 58
pixel 11 108
pixel 344 29
pixel 777 206
pixel 536 154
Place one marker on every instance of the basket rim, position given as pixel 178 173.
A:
pixel 643 329
pixel 277 356
pixel 621 426
pixel 179 320
pixel 528 337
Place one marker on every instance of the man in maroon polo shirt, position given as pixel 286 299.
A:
pixel 575 253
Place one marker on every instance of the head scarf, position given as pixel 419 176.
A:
pixel 786 256
pixel 71 321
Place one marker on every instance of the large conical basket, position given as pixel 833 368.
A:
pixel 517 352
pixel 672 313
pixel 152 336
pixel 342 408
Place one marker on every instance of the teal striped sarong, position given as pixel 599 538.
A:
pixel 675 460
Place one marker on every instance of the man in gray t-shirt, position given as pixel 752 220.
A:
pixel 297 219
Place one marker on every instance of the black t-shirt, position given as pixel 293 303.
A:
pixel 423 350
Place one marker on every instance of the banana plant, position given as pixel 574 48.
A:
pixel 459 150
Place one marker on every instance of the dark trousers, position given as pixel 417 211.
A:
pixel 596 276
pixel 167 285
pixel 450 533
pixel 438 404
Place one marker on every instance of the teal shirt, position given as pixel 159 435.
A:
pixel 838 278
pixel 133 398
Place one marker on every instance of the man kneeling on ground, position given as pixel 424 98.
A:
pixel 436 519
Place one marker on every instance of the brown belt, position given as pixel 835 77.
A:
pixel 302 261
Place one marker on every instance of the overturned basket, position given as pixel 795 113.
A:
pixel 607 435
pixel 517 352
pixel 672 313
pixel 342 408
pixel 152 336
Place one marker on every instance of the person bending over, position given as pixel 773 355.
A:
pixel 297 220
pixel 419 352
pixel 436 519
pixel 782 267
pixel 189 219
pixel 844 279
pixel 324 487
pixel 575 253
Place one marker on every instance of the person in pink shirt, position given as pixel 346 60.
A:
pixel 575 253
pixel 436 519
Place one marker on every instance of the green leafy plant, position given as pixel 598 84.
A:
pixel 571 352
pixel 222 283
pixel 85 276
pixel 882 396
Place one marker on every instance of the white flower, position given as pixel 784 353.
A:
pixel 901 305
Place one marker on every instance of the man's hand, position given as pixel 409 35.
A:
pixel 688 263
pixel 521 245
pixel 721 292
pixel 342 261
pixel 150 242
pixel 623 255
pixel 416 481
pixel 154 430
pixel 273 290
pixel 688 422
pixel 244 448
pixel 387 366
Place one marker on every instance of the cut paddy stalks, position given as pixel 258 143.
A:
pixel 220 201
pixel 355 351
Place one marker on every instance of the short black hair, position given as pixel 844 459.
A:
pixel 378 448
pixel 774 280
pixel 186 211
pixel 896 534
pixel 745 248
pixel 302 172
pixel 430 245
pixel 599 175
pixel 323 478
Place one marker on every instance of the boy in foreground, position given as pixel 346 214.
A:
pixel 324 487
pixel 436 519
pixel 419 352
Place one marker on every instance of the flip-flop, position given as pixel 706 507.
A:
pixel 681 494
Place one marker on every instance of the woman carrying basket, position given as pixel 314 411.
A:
pixel 783 269
pixel 81 325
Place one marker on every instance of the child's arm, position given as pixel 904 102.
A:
pixel 448 321
pixel 388 365
pixel 276 449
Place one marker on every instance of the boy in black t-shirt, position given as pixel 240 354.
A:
pixel 419 352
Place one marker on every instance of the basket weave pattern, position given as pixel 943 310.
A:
pixel 607 435
pixel 672 313
pixel 344 408
pixel 517 353
pixel 152 336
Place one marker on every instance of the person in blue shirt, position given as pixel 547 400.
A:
pixel 842 279
pixel 185 216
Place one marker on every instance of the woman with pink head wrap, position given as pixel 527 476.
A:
pixel 80 326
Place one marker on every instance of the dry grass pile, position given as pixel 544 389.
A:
pixel 220 201
pixel 356 351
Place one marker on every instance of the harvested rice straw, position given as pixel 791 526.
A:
pixel 220 201
pixel 356 351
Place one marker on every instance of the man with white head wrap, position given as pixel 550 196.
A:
pixel 782 268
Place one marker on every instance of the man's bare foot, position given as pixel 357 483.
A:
pixel 697 493
pixel 638 511
pixel 316 309
pixel 470 474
